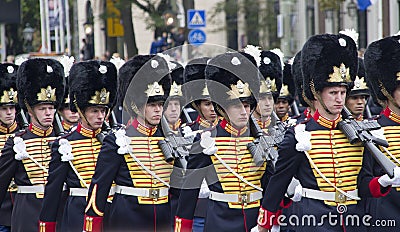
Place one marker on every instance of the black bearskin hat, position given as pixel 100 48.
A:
pixel 195 88
pixel 66 100
pixel 143 79
pixel 382 66
pixel 359 85
pixel 176 70
pixel 233 77
pixel 92 83
pixel 298 80
pixel 8 84
pixel 271 70
pixel 328 60
pixel 40 81
pixel 288 88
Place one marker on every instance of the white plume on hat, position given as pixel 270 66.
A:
pixel 117 61
pixel 67 63
pixel 279 52
pixel 352 33
pixel 255 52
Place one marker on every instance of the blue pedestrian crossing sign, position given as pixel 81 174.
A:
pixel 197 37
pixel 196 18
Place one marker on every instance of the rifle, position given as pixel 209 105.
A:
pixel 295 109
pixel 173 147
pixel 263 146
pixel 107 127
pixel 187 116
pixel 360 131
pixel 22 120
pixel 57 125
pixel 278 130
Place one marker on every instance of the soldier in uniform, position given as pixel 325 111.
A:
pixel 69 118
pixel 356 99
pixel 93 87
pixel 270 87
pixel 286 94
pixel 225 162
pixel 8 126
pixel 382 65
pixel 197 95
pixel 318 154
pixel 298 77
pixel 132 158
pixel 25 157
pixel 173 106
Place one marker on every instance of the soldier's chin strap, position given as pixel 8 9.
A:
pixel 318 97
pixel 139 114
pixel 388 95
pixel 29 108
pixel 197 108
pixel 83 117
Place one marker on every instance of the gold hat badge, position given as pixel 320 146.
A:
pixel 176 90
pixel 101 97
pixel 341 74
pixel 359 84
pixel 284 91
pixel 267 86
pixel 9 96
pixel 239 90
pixel 398 76
pixel 154 89
pixel 205 91
pixel 47 94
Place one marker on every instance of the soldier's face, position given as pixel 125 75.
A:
pixel 44 115
pixel 265 105
pixel 239 114
pixel 94 117
pixel 356 105
pixel 173 111
pixel 7 115
pixel 334 99
pixel 207 109
pixel 69 116
pixel 281 107
pixel 152 113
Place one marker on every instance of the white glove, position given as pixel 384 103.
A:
pixel 254 229
pixel 208 143
pixel 385 180
pixel 298 192
pixel 276 228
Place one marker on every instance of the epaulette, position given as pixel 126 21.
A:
pixel 295 116
pixel 375 117
pixel 305 121
pixel 20 133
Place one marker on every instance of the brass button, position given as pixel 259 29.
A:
pixel 237 140
pixel 150 148
pixel 333 143
pixel 336 161
pixel 151 156
pixel 94 149
pixel 44 140
pixel 154 181
pixel 337 172
pixel 153 165
pixel 238 149
pixel 241 167
pixel 332 133
pixel 335 152
pixel 340 181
